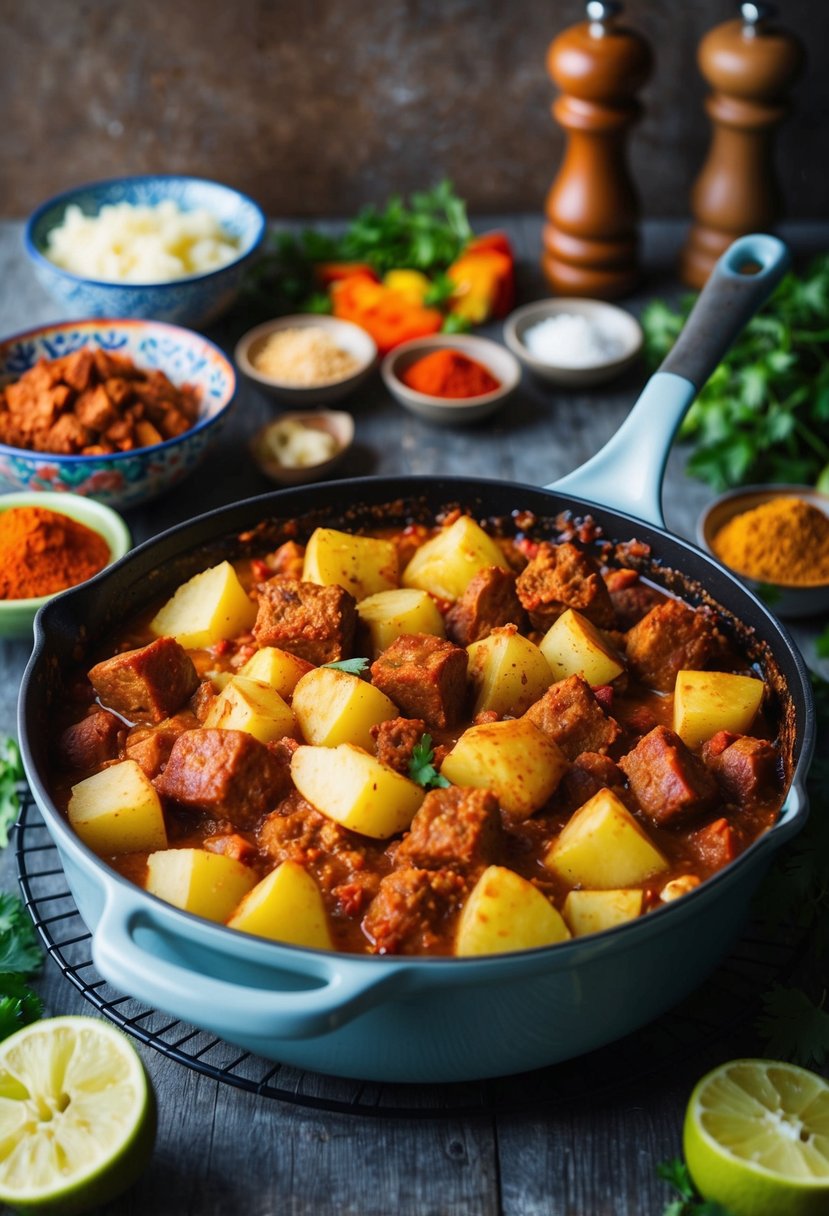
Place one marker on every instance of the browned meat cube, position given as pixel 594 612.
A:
pixel 146 685
pixel 77 368
pixel 588 774
pixel 91 742
pixel 672 637
pixel 490 600
pixel 630 597
pixel 316 623
pixel 118 391
pixel 94 409
pixel 561 577
pixel 714 845
pixel 425 676
pixel 288 560
pixel 150 747
pixel 231 844
pixel 409 913
pixel 226 773
pixel 747 769
pixel 669 783
pixel 395 741
pixel 573 718
pixel 455 828
pixel 202 699
pixel 66 437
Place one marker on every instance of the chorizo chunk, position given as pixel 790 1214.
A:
pixel 588 774
pixel 409 913
pixel 92 741
pixel 489 601
pixel 672 637
pixel 668 781
pixel 226 773
pixel 425 676
pixel 561 577
pixel 395 741
pixel 316 623
pixel 573 718
pixel 630 597
pixel 148 684
pixel 150 748
pixel 746 768
pixel 455 827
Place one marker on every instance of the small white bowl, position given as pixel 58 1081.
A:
pixel 336 423
pixel 611 320
pixel 452 411
pixel 348 337
pixel 783 600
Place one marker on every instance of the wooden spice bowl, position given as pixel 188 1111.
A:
pixel 17 616
pixel 785 600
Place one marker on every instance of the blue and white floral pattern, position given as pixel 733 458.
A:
pixel 123 479
pixel 192 301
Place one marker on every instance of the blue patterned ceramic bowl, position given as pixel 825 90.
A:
pixel 122 479
pixel 195 300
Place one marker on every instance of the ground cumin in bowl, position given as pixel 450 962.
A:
pixel 48 543
pixel 777 539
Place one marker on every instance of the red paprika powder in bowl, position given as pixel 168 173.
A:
pixel 451 379
pixel 50 542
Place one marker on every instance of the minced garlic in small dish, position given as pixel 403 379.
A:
pixel 297 446
pixel 306 357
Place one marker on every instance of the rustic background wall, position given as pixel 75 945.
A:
pixel 317 106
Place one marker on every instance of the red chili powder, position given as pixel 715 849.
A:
pixel 449 373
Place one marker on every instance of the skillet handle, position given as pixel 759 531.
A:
pixel 627 473
pixel 311 994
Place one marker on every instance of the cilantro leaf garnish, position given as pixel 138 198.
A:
pixel 675 1173
pixel 11 774
pixel 353 667
pixel 19 947
pixel 422 768
pixel 19 1004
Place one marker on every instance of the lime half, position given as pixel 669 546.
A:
pixel 756 1139
pixel 77 1116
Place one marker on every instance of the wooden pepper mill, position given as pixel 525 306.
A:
pixel 590 240
pixel 750 65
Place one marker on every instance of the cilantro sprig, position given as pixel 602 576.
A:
pixel 422 766
pixel 353 667
pixel 20 957
pixel 11 774
pixel 763 414
pixel 688 1203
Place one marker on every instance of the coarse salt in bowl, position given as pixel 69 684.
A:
pixel 573 341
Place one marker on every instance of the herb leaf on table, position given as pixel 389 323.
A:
pixel 675 1173
pixel 764 413
pixel 11 774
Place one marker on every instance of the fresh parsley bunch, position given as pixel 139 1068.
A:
pixel 763 416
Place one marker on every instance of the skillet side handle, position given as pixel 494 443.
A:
pixel 325 997
pixel 627 473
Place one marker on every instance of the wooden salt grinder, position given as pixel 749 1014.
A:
pixel 750 66
pixel 590 240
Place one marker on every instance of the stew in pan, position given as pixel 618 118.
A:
pixel 458 739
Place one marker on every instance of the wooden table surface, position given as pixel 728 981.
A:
pixel 223 1150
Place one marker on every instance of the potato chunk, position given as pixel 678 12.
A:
pixel 118 811
pixel 708 701
pixel 362 565
pixel 508 672
pixel 603 847
pixel 207 608
pixel 206 884
pixel 334 707
pixel 514 759
pixel 355 790
pixel 287 906
pixel 390 614
pixel 446 564
pixel 279 668
pixel 252 706
pixel 593 911
pixel 574 646
pixel 505 912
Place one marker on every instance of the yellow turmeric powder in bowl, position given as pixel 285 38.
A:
pixel 784 541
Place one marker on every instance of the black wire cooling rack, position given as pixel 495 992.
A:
pixel 724 1004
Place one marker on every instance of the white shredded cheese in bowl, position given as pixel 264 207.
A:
pixel 572 340
pixel 127 243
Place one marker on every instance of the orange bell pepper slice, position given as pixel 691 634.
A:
pixel 385 314
pixel 327 273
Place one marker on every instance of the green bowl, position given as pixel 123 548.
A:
pixel 17 616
